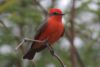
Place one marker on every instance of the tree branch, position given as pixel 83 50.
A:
pixel 42 8
pixel 74 54
pixel 26 39
pixel 71 39
pixel 45 43
pixel 2 23
pixel 54 54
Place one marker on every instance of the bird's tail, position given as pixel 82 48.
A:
pixel 29 55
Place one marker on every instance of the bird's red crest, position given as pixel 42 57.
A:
pixel 55 10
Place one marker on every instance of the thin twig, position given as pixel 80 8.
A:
pixel 49 47
pixel 55 55
pixel 19 45
pixel 2 23
pixel 42 8
pixel 27 39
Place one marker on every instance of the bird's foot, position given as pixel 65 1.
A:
pixel 49 47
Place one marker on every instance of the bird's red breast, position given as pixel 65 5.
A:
pixel 52 31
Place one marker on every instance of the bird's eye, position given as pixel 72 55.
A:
pixel 55 13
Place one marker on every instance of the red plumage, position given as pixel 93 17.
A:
pixel 51 30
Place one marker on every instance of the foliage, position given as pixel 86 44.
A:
pixel 21 18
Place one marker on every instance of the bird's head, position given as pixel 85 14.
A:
pixel 55 13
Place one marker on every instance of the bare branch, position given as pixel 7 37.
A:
pixel 27 39
pixel 74 54
pixel 2 24
pixel 42 8
pixel 71 39
pixel 45 43
pixel 54 54
pixel 71 34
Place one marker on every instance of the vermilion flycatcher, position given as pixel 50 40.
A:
pixel 51 30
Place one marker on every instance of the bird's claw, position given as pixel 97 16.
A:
pixel 49 47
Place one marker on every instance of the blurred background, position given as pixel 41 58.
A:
pixel 21 18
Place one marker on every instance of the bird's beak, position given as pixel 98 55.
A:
pixel 62 14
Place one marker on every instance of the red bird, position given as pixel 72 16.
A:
pixel 52 30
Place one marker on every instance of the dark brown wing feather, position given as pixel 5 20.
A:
pixel 63 32
pixel 31 52
pixel 38 33
pixel 41 28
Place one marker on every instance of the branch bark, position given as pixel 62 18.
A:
pixel 45 43
pixel 72 32
pixel 74 54
pixel 54 54
pixel 42 8
pixel 2 23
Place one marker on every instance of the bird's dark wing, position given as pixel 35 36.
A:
pixel 31 52
pixel 41 28
pixel 63 32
